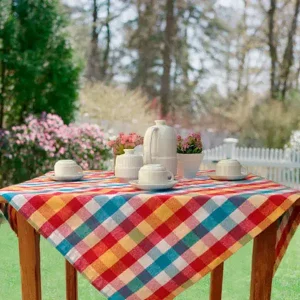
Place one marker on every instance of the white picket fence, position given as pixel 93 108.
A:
pixel 280 165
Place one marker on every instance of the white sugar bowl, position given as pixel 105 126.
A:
pixel 128 165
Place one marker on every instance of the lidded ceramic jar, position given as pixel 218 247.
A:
pixel 128 165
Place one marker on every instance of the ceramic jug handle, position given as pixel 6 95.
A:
pixel 172 176
pixel 149 155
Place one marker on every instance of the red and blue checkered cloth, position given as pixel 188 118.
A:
pixel 132 244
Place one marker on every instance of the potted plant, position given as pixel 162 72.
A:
pixel 189 154
pixel 124 141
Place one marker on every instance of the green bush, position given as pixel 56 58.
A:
pixel 36 62
pixel 270 125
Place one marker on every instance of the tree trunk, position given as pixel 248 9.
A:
pixel 167 58
pixel 289 52
pixel 297 78
pixel 228 69
pixel 93 67
pixel 243 48
pixel 147 16
pixel 272 48
pixel 105 64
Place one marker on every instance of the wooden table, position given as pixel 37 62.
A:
pixel 263 260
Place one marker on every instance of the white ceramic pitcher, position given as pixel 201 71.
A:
pixel 160 146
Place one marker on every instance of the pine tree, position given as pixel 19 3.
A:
pixel 36 62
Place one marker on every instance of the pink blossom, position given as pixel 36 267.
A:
pixel 84 142
pixel 124 141
pixel 191 144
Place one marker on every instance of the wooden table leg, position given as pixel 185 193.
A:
pixel 29 251
pixel 263 260
pixel 216 282
pixel 71 282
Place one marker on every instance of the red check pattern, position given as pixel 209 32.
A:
pixel 137 245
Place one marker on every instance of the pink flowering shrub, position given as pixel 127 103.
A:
pixel 125 141
pixel 32 149
pixel 189 145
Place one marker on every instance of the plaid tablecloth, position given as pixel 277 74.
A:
pixel 132 244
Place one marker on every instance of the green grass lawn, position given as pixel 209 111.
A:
pixel 286 284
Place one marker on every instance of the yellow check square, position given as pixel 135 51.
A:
pixel 173 204
pixel 145 228
pixel 56 203
pixel 91 273
pixel 127 243
pixel 164 212
pixel 118 250
pixel 38 219
pixel 108 258
pixel 153 220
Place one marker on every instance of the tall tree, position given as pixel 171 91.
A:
pixel 99 62
pixel 7 57
pixel 242 37
pixel 281 67
pixel 272 47
pixel 105 64
pixel 145 40
pixel 167 44
pixel 167 57
pixel 288 56
pixel 37 68
pixel 94 65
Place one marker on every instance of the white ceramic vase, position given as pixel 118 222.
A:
pixel 189 164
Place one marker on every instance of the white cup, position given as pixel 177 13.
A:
pixel 154 174
pixel 229 167
pixel 67 167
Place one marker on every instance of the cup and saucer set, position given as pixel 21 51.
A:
pixel 130 168
pixel 154 177
pixel 229 170
pixel 66 170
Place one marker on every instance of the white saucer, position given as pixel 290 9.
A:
pixel 151 187
pixel 227 178
pixel 66 178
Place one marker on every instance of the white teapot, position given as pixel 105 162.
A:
pixel 160 146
